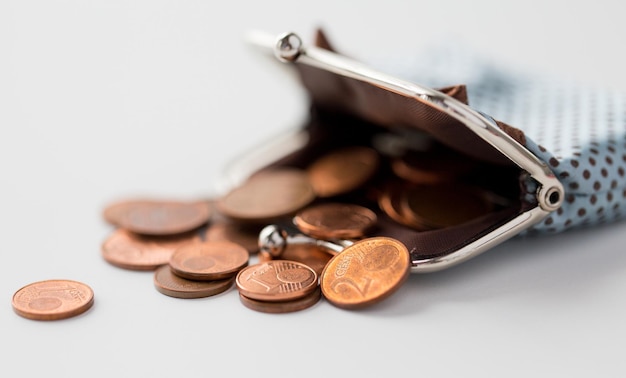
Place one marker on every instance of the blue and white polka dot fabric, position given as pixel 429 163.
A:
pixel 579 131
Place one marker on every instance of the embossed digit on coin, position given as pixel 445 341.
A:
pixel 52 299
pixel 128 250
pixel 365 273
pixel 276 280
pixel 268 195
pixel 174 286
pixel 343 170
pixel 209 261
pixel 283 307
pixel 335 220
pixel 156 217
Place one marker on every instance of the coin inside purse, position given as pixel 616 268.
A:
pixel 437 186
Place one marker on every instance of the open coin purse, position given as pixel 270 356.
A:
pixel 545 168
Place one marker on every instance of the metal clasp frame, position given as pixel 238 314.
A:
pixel 289 48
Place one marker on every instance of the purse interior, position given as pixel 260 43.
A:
pixel 347 112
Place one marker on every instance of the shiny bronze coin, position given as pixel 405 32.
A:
pixel 297 304
pixel 343 170
pixel 156 217
pixel 431 167
pixel 439 206
pixel 243 234
pixel 276 280
pixel 390 202
pixel 365 273
pixel 268 195
pixel 172 285
pixel 335 221
pixel 128 250
pixel 52 300
pixel 209 261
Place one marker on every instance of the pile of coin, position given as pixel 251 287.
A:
pixel 291 235
pixel 171 238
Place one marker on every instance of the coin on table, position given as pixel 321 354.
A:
pixel 343 170
pixel 52 299
pixel 268 195
pixel 335 220
pixel 158 217
pixel 311 255
pixel 439 206
pixel 365 273
pixel 208 261
pixel 276 280
pixel 128 250
pixel 247 235
pixel 283 307
pixel 172 285
pixel 390 202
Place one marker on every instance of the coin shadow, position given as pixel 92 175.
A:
pixel 537 269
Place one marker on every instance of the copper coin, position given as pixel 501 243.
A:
pixel 172 285
pixel 335 220
pixel 439 206
pixel 431 167
pixel 209 261
pixel 243 234
pixel 390 202
pixel 282 307
pixel 343 170
pixel 52 299
pixel 268 195
pixel 128 250
pixel 156 217
pixel 365 273
pixel 276 280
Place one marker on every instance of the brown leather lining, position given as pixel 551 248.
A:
pixel 345 111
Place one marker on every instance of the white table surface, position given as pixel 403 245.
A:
pixel 102 100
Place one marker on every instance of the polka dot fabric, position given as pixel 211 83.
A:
pixel 580 132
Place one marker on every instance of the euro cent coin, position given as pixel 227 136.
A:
pixel 365 273
pixel 128 250
pixel 276 280
pixel 52 299
pixel 209 261
pixel 268 195
pixel 335 220
pixel 158 217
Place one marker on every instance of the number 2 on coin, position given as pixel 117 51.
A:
pixel 362 289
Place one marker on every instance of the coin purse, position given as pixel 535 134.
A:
pixel 547 169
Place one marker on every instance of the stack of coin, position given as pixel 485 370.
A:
pixel 278 286
pixel 200 270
